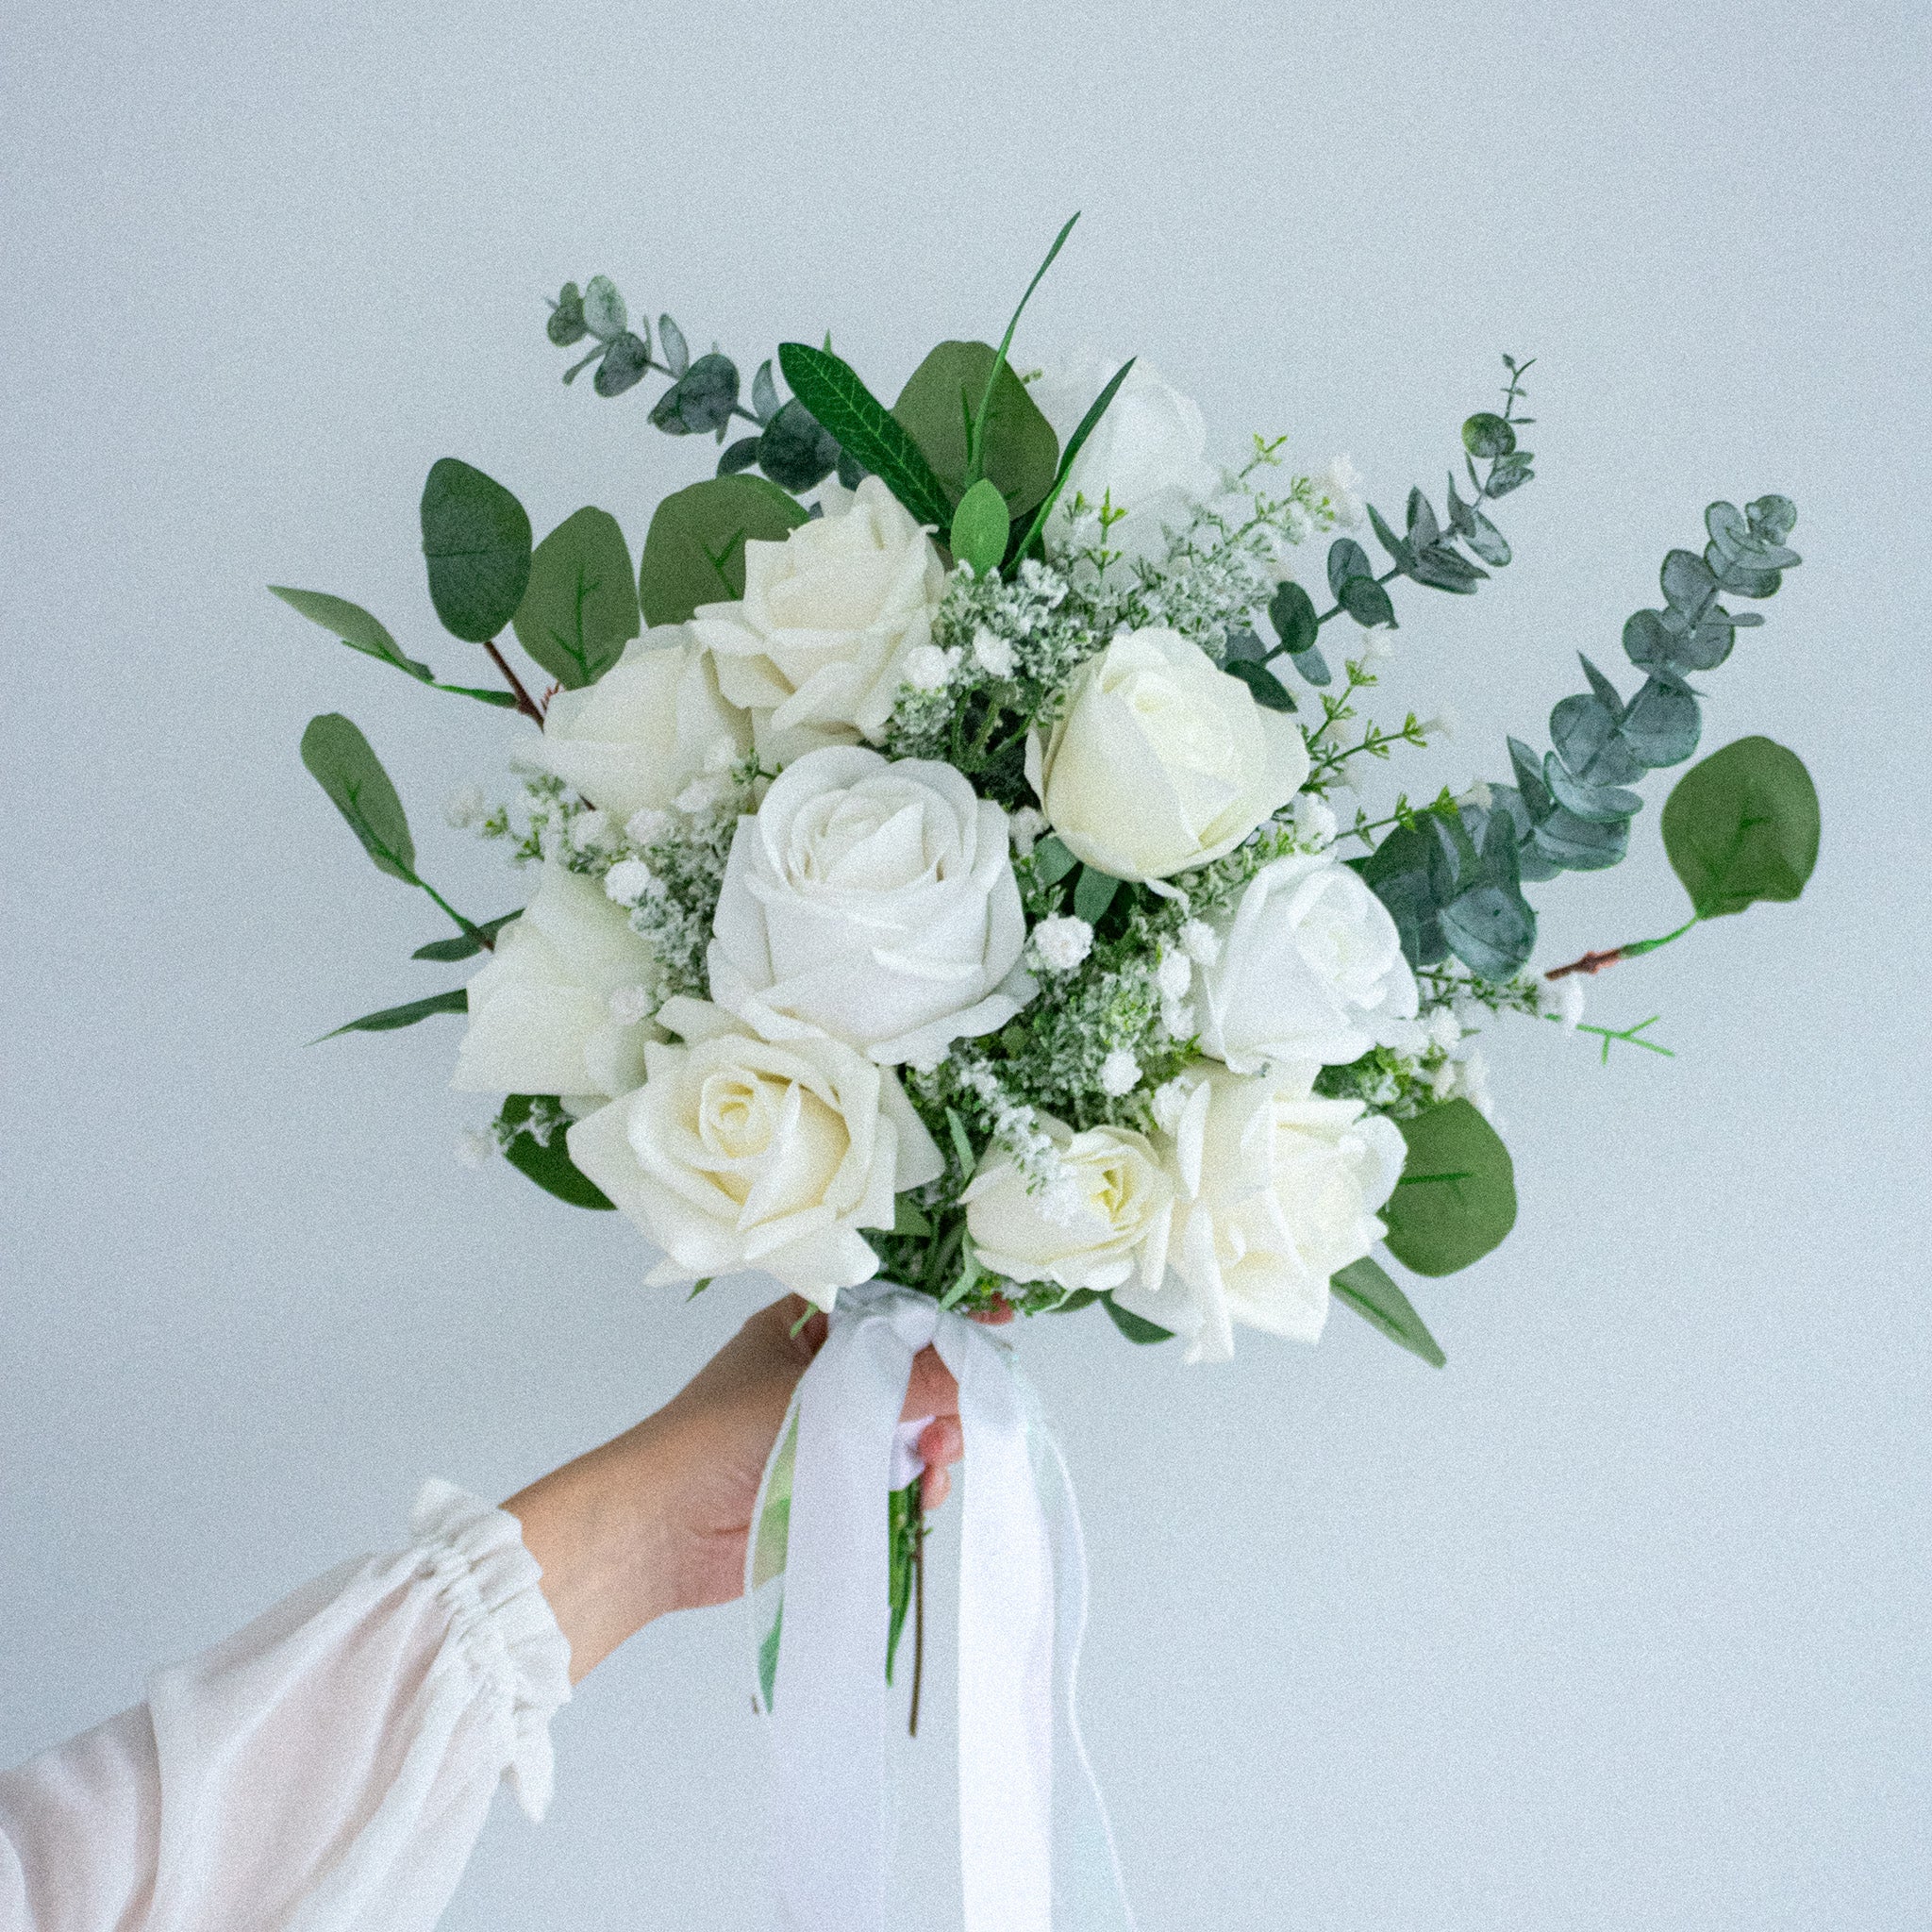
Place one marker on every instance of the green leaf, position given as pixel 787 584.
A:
pixel 503 700
pixel 625 364
pixel 581 607
pixel 1093 894
pixel 1367 602
pixel 695 551
pixel 1267 689
pixel 980 527
pixel 455 1001
pixel 1076 443
pixel 1456 1198
pixel 550 1166
pixel 566 324
pixel 866 430
pixel 701 400
pixel 671 339
pixel 1743 825
pixel 354 625
pixel 477 540
pixel 344 765
pixel 603 307
pixel 907 1219
pixel 1487 434
pixel 795 449
pixel 1366 1288
pixel 1346 559
pixel 1020 453
pixel 962 1142
pixel 464 945
pixel 1292 611
pixel 1133 1327
pixel 1052 861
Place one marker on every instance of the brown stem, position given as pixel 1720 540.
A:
pixel 515 683
pixel 1591 962
pixel 918 1621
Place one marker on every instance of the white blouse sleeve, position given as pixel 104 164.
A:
pixel 325 1770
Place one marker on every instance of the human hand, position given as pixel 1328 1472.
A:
pixel 656 1519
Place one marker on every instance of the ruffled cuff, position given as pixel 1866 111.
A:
pixel 502 1629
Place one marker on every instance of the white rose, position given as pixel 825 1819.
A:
pixel 745 1153
pixel 875 902
pixel 1277 1190
pixel 1147 457
pixel 816 648
pixel 1310 969
pixel 1160 761
pixel 541 1019
pixel 1103 1223
pixel 654 722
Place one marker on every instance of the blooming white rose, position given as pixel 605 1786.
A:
pixel 1310 969
pixel 654 722
pixel 1277 1190
pixel 1147 456
pixel 539 1010
pixel 1160 762
pixel 738 1152
pixel 1103 1223
pixel 817 647
pixel 875 902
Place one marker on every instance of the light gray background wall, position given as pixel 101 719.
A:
pixel 1618 1622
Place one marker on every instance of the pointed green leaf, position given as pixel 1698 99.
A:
pixel 1292 611
pixel 980 527
pixel 344 765
pixel 1365 1287
pixel 1267 688
pixel 1093 894
pixel 866 430
pixel 1743 825
pixel 695 550
pixel 1456 1198
pixel 1134 1327
pixel 455 1001
pixel 1052 861
pixel 550 1166
pixel 476 542
pixel 581 606
pixel 464 945
pixel 354 625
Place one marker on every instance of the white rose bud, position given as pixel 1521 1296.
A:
pixel 1146 456
pixel 1160 762
pixel 1277 1191
pixel 745 1153
pixel 817 647
pixel 875 902
pixel 1310 970
pixel 1110 1217
pixel 656 720
pixel 540 1009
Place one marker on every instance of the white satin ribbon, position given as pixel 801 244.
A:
pixel 829 1712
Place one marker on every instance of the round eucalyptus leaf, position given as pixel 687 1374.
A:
pixel 603 310
pixel 1346 559
pixel 566 324
pixel 742 455
pixel 795 450
pixel 1292 611
pixel 1580 844
pixel 1456 1197
pixel 1485 435
pixel 624 365
pixel 1367 602
pixel 476 543
pixel 1599 804
pixel 1662 723
pixel 677 355
pixel 1018 450
pixel 1511 473
pixel 980 527
pixel 1490 929
pixel 695 550
pixel 1743 825
pixel 581 606
pixel 1266 688
pixel 701 400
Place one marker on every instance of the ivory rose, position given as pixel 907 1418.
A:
pixel 816 648
pixel 875 902
pixel 1310 968
pixel 1277 1191
pixel 1160 762
pixel 541 1013
pixel 654 722
pixel 1104 1223
pixel 738 1152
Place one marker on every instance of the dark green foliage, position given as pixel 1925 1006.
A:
pixel 1456 1197
pixel 581 606
pixel 455 1001
pixel 1133 1326
pixel 464 945
pixel 795 450
pixel 343 763
pixel 695 550
pixel 550 1166
pixel 702 401
pixel 865 429
pixel 476 543
pixel 1019 452
pixel 1743 825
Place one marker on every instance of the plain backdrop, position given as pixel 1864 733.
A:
pixel 1620 1620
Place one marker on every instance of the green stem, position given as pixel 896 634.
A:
pixel 976 442
pixel 1635 947
pixel 1631 949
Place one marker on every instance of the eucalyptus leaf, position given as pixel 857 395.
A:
pixel 603 310
pixel 1367 602
pixel 1365 1287
pixel 581 606
pixel 1313 666
pixel 1443 569
pixel 464 945
pixel 1019 452
pixel 1456 1198
pixel 1477 529
pixel 1487 434
pixel 1399 548
pixel 341 760
pixel 742 455
pixel 566 324
pixel 1292 611
pixel 1580 844
pixel 795 450
pixel 1052 861
pixel 476 543
pixel 701 401
pixel 671 339
pixel 354 625
pixel 1511 473
pixel 551 1166
pixel 1424 530
pixel 391 1018
pixel 1094 893
pixel 1743 825
pixel 1490 929
pixel 764 392
pixel 1662 724
pixel 981 526
pixel 866 430
pixel 695 551
pixel 1134 1327
pixel 1346 559
pixel 1266 689
pixel 624 365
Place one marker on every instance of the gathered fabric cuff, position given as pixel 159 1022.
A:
pixel 502 1631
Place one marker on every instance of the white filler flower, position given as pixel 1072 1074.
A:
pixel 654 722
pixel 1310 969
pixel 1106 1223
pixel 817 647
pixel 745 1153
pixel 1160 762
pixel 1147 457
pixel 539 1010
pixel 1277 1191
pixel 875 902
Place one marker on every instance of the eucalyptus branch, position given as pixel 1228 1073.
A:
pixel 524 702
